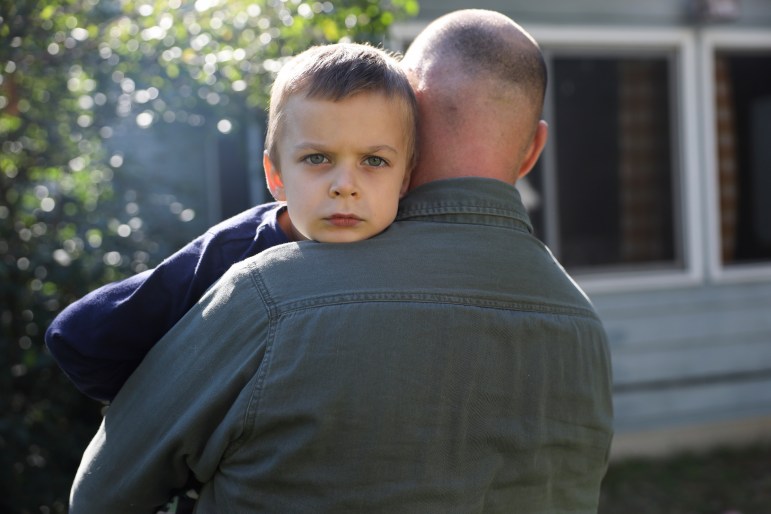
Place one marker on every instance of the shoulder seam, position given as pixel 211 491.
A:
pixel 253 404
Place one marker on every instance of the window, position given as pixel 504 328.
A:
pixel 618 192
pixel 742 121
pixel 610 179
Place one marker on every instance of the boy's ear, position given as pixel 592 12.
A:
pixel 273 179
pixel 405 183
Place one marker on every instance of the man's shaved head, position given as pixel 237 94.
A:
pixel 480 80
pixel 476 44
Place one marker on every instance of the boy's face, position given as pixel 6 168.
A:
pixel 343 165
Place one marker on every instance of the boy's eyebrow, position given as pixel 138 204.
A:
pixel 310 145
pixel 378 148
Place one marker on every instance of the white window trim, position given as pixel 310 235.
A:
pixel 712 40
pixel 683 43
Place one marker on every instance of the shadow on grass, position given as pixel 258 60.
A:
pixel 722 481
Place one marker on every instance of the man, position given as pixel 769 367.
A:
pixel 447 365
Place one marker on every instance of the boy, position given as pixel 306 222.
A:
pixel 339 148
pixel 340 145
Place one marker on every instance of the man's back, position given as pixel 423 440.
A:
pixel 478 387
pixel 349 378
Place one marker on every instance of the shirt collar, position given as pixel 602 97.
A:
pixel 467 199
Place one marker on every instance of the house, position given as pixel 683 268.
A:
pixel 655 193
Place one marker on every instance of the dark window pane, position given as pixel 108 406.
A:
pixel 743 107
pixel 614 175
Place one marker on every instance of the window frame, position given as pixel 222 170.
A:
pixel 713 40
pixel 621 40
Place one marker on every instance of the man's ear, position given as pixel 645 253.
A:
pixel 273 178
pixel 534 150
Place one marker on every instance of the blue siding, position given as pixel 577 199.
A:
pixel 693 355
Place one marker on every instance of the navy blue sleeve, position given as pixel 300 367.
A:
pixel 99 340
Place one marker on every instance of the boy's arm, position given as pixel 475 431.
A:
pixel 100 339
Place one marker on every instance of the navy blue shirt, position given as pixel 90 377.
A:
pixel 100 339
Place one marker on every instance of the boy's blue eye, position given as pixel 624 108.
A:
pixel 374 160
pixel 316 158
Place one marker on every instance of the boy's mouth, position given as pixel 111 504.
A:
pixel 344 220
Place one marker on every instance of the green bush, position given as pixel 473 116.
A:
pixel 70 71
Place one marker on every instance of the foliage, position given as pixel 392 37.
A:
pixel 71 216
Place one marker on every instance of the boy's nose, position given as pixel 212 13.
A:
pixel 344 183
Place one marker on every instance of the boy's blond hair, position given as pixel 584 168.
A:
pixel 336 72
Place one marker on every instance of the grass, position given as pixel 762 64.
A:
pixel 722 481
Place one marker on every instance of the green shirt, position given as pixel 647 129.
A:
pixel 448 365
